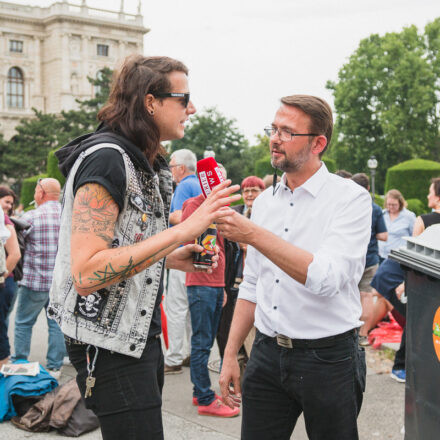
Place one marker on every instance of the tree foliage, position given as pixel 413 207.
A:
pixel 26 153
pixel 386 101
pixel 212 130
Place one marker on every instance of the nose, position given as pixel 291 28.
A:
pixel 191 108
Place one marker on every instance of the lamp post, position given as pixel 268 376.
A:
pixel 209 152
pixel 372 165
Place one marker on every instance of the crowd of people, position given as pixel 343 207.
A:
pixel 300 274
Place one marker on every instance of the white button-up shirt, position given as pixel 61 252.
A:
pixel 329 217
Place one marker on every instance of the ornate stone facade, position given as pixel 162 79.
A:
pixel 47 53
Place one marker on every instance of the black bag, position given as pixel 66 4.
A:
pixel 20 226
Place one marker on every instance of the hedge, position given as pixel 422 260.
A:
pixel 379 200
pixel 416 206
pixel 412 178
pixel 52 168
pixel 330 164
pixel 28 189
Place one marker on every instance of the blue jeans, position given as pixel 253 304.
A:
pixel 326 384
pixel 30 303
pixel 205 305
pixel 6 296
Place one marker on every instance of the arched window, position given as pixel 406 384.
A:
pixel 15 91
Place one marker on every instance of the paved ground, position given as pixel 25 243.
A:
pixel 381 417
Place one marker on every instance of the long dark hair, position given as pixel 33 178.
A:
pixel 4 192
pixel 125 110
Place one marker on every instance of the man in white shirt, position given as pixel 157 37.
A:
pixel 307 238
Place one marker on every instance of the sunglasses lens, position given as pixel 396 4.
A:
pixel 186 99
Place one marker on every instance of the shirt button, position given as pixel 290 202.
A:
pixel 274 307
pixel 285 189
pixel 143 312
pixel 132 347
pixel 286 229
pixel 277 281
pixel 149 280
pixel 158 214
pixel 291 204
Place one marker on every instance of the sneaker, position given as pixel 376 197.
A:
pixel 54 372
pixel 218 409
pixel 173 369
pixel 363 341
pixel 399 375
pixel 196 402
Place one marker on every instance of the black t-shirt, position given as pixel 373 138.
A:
pixel 430 219
pixel 106 167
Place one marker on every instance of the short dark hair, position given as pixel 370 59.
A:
pixel 436 183
pixel 125 110
pixel 319 112
pixel 344 173
pixel 362 180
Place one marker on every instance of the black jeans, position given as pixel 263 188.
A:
pixel 127 396
pixel 327 384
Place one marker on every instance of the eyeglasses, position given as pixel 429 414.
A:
pixel 176 165
pixel 283 134
pixel 184 96
pixel 39 184
pixel 251 190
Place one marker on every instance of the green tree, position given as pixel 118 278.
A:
pixel 212 129
pixel 386 101
pixel 26 153
pixel 253 154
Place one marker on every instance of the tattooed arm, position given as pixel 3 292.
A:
pixel 95 265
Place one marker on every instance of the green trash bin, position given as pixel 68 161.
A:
pixel 421 262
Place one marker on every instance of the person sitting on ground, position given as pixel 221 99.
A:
pixel 378 232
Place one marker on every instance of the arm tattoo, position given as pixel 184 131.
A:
pixel 109 275
pixel 106 238
pixel 94 210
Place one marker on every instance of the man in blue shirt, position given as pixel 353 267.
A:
pixel 183 167
pixel 378 232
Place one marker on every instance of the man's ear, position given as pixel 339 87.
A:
pixel 150 103
pixel 319 144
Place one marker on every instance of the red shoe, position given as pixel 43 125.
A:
pixel 196 402
pixel 218 409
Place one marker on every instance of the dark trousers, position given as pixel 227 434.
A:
pixel 399 359
pixel 7 293
pixel 127 396
pixel 326 384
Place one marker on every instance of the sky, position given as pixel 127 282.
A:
pixel 243 55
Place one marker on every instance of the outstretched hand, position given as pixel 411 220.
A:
pixel 182 259
pixel 236 227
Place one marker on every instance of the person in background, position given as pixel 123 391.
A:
pixel 12 253
pixel 344 174
pixel 378 232
pixel 39 260
pixel 235 254
pixel 268 180
pixel 425 220
pixel 398 220
pixel 206 297
pixel 183 165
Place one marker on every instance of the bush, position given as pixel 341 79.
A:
pixel 28 189
pixel 416 206
pixel 379 200
pixel 330 164
pixel 412 178
pixel 263 166
pixel 52 168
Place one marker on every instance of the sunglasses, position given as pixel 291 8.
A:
pixel 185 97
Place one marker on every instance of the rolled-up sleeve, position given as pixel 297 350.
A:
pixel 248 288
pixel 341 256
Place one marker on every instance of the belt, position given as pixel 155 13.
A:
pixel 285 342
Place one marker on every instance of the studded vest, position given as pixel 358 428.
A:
pixel 117 317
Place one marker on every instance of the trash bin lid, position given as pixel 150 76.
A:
pixel 422 252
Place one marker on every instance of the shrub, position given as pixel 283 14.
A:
pixel 330 164
pixel 52 168
pixel 412 178
pixel 416 206
pixel 28 189
pixel 263 166
pixel 379 200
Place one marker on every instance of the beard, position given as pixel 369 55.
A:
pixel 295 163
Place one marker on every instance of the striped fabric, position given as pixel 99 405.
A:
pixel 41 246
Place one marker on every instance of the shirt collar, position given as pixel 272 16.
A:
pixel 190 176
pixel 314 183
